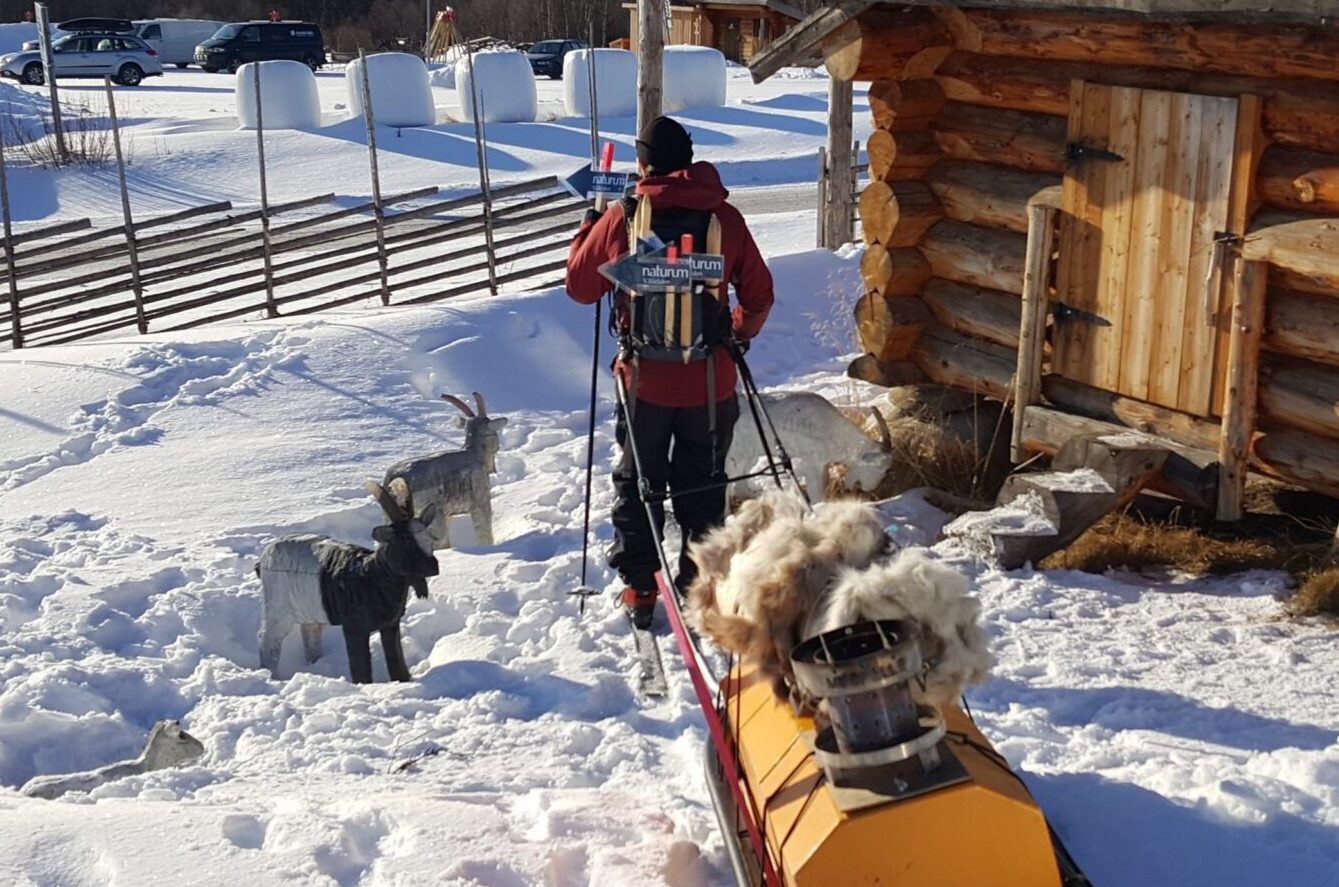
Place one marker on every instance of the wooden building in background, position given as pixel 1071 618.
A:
pixel 738 28
pixel 1109 213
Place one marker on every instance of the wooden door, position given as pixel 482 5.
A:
pixel 1147 188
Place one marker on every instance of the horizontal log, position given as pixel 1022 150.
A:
pixel 988 314
pixel 901 106
pixel 1303 252
pixel 1299 113
pixel 1108 406
pixel 1300 394
pixel 897 214
pixel 966 362
pixel 987 194
pixel 896 272
pixel 984 257
pixel 883 45
pixel 1298 457
pixel 889 328
pixel 1021 139
pixel 1302 325
pixel 868 368
pixel 916 152
pixel 1252 50
pixel 1306 181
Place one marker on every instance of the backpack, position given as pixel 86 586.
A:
pixel 676 326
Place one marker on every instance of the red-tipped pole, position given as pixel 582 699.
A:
pixel 607 157
pixel 686 244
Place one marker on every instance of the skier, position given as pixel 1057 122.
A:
pixel 681 387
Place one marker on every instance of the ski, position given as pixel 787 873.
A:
pixel 650 668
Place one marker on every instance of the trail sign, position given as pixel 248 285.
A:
pixel 587 183
pixel 655 273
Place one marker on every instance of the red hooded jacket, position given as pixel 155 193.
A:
pixel 669 383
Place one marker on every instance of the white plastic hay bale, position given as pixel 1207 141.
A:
pixel 694 78
pixel 287 91
pixel 615 83
pixel 506 86
pixel 401 91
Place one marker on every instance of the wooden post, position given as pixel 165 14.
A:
pixel 650 59
pixel 132 251
pixel 837 206
pixel 821 208
pixel 48 71
pixel 485 186
pixel 378 210
pixel 1032 324
pixel 15 325
pixel 271 306
pixel 1240 401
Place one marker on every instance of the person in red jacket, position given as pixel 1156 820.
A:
pixel 682 436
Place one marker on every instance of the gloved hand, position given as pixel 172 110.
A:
pixel 739 343
pixel 592 216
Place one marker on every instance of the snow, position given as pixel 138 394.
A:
pixel 401 91
pixel 694 77
pixel 1178 731
pixel 504 84
pixel 615 83
pixel 287 93
pixel 14 34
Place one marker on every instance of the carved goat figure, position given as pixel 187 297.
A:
pixel 168 746
pixel 456 481
pixel 314 581
pixel 816 436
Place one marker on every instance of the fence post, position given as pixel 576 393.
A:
pixel 48 72
pixel 15 327
pixel 128 222
pixel 836 228
pixel 378 211
pixel 485 188
pixel 822 196
pixel 271 307
pixel 852 208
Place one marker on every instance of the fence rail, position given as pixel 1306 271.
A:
pixel 71 280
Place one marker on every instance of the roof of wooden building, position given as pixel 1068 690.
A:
pixel 801 46
pixel 780 6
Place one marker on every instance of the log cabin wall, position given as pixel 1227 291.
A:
pixel 970 108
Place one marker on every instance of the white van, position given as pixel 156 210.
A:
pixel 175 38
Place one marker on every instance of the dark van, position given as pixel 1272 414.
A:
pixel 241 42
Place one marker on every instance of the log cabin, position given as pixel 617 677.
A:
pixel 740 29
pixel 1107 213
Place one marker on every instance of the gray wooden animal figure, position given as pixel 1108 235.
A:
pixel 168 746
pixel 456 481
pixel 313 581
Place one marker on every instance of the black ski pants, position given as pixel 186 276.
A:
pixel 676 451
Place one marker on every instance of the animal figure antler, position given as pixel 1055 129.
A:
pixel 461 405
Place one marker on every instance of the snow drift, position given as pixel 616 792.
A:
pixel 401 91
pixel 506 87
pixel 287 93
pixel 15 34
pixel 694 78
pixel 615 83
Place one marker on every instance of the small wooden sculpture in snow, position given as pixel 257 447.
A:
pixel 456 481
pixel 314 581
pixel 816 436
pixel 168 746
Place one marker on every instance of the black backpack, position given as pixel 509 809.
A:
pixel 676 326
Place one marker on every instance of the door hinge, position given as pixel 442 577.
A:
pixel 1063 312
pixel 1077 151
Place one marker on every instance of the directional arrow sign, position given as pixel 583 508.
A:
pixel 653 273
pixel 587 183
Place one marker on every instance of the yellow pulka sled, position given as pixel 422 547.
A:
pixel 907 796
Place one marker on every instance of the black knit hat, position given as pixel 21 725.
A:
pixel 664 146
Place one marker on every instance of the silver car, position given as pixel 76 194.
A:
pixel 127 60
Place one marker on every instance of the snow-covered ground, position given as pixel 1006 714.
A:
pixel 1177 731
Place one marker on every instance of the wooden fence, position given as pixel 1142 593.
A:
pixel 859 172
pixel 70 281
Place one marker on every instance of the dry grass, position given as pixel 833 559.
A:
pixel 1318 595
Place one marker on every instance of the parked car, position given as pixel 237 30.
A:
pixel 175 38
pixel 126 59
pixel 546 56
pixel 241 42
pixel 84 26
